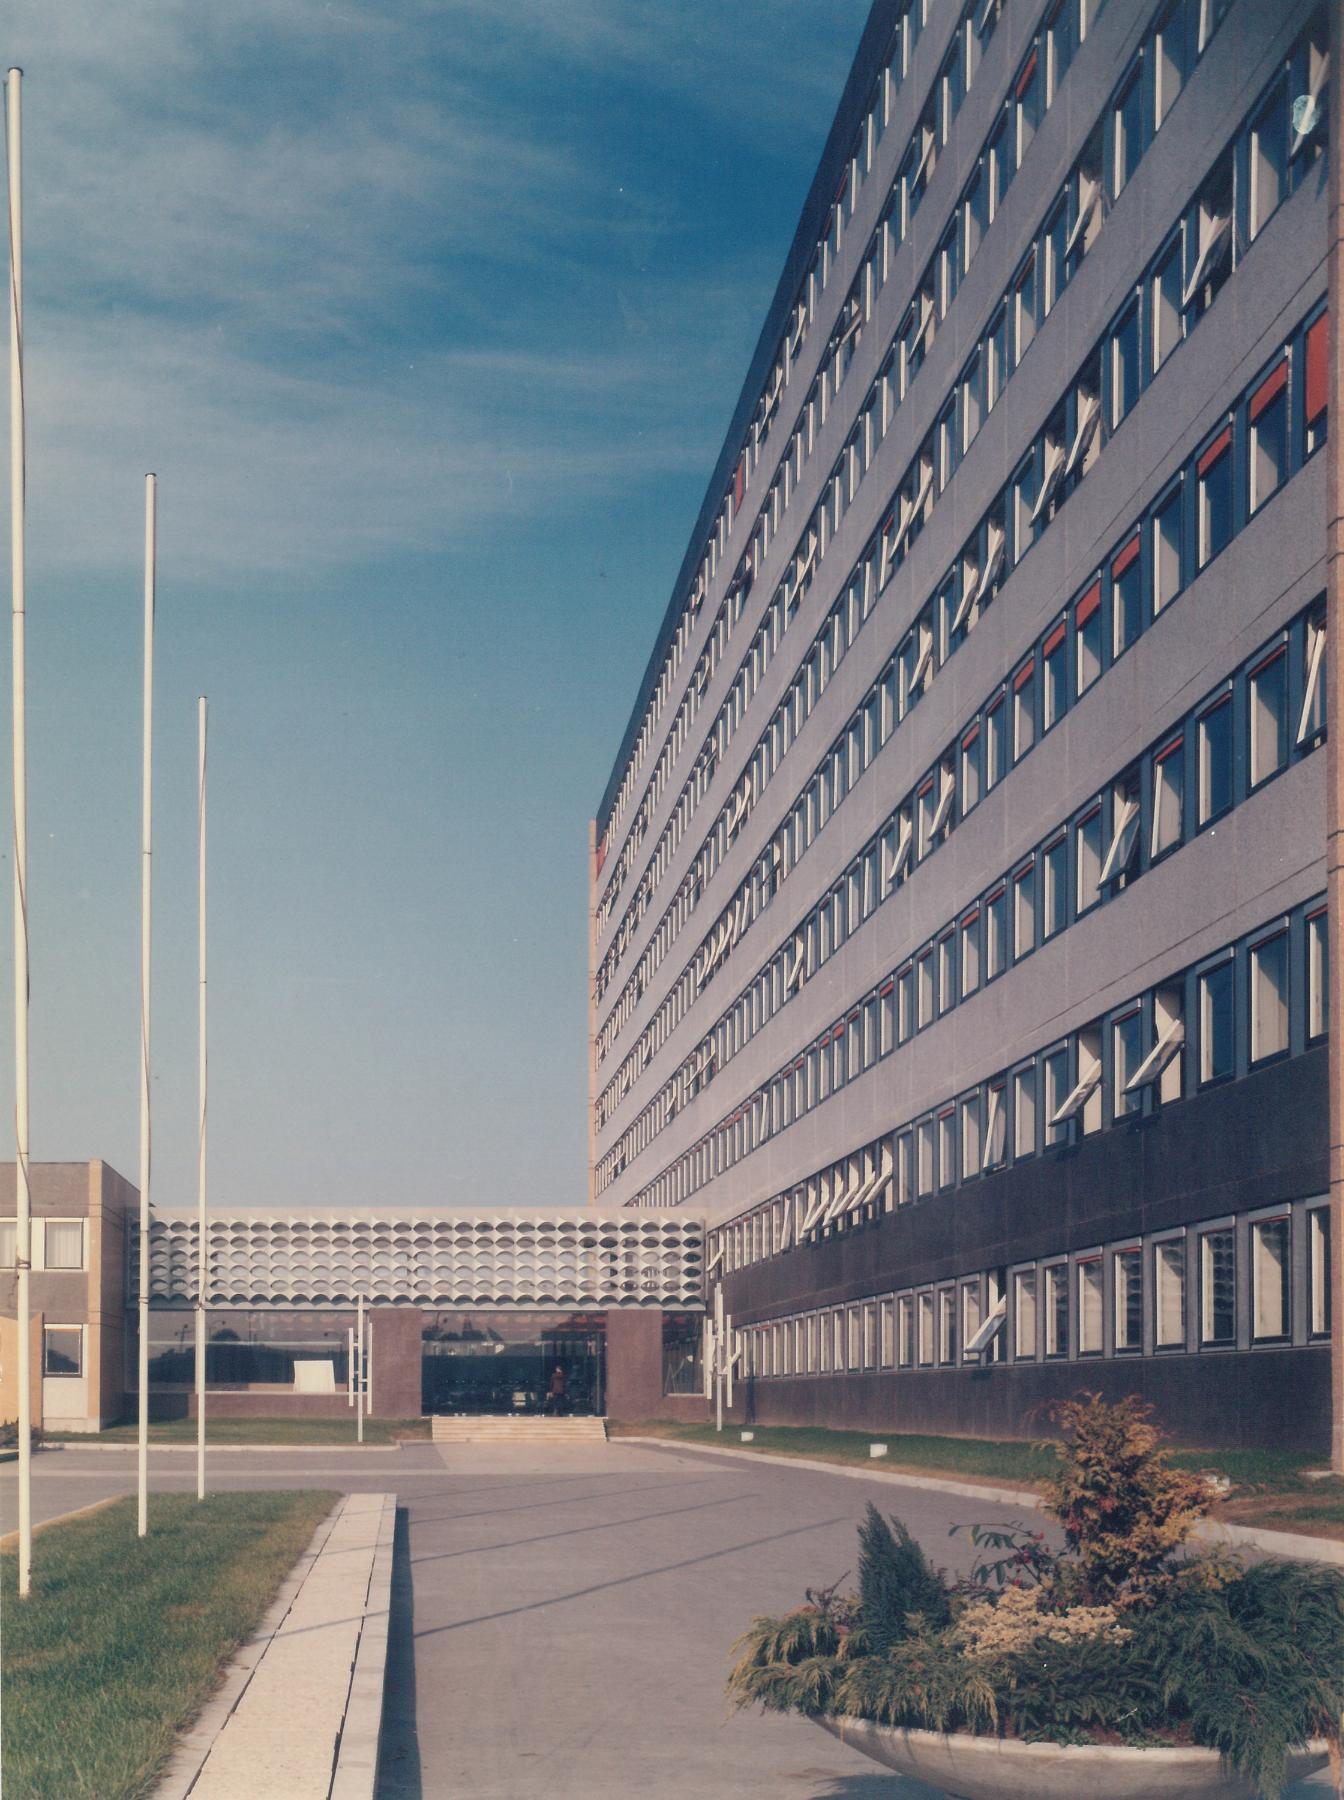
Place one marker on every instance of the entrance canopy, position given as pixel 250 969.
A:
pixel 519 1257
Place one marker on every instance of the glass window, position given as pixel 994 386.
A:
pixel 1057 1085
pixel 1269 996
pixel 1217 1022
pixel 1125 364
pixel 1270 1270
pixel 971 1311
pixel 1054 676
pixel 1024 1111
pixel 1168 796
pixel 1268 695
pixel 1214 470
pixel 1269 158
pixel 970 953
pixel 1054 864
pixel 996 742
pixel 905 1330
pixel 970 1137
pixel 1056 1309
pixel 1318 971
pixel 1127 1270
pixel 1088 849
pixel 996 934
pixel 947 1325
pixel 1024 709
pixel 925 1141
pixel 1024 1314
pixel 1126 1056
pixel 947 1148
pixel 970 769
pixel 1024 910
pixel 996 372
pixel 1090 1306
pixel 9 1255
pixel 1127 596
pixel 1217 1287
pixel 1268 415
pixel 1127 141
pixel 1167 550
pixel 1169 1293
pixel 1318 1270
pixel 65 1244
pixel 1168 319
pixel 63 1350
pixel 970 401
pixel 886 1314
pixel 1087 638
pixel 1169 59
pixel 1215 761
pixel 1024 308
pixel 925 1331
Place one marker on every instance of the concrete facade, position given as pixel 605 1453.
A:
pixel 681 1084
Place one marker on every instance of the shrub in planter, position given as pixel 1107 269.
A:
pixel 1114 1640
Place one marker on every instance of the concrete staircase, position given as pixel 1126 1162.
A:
pixel 516 1428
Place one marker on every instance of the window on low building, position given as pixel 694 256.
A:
pixel 1268 697
pixel 1087 850
pixel 926 1330
pixel 1125 364
pixel 1055 882
pixel 1127 1276
pixel 1217 1022
pixel 65 1244
pixel 1090 1305
pixel 1024 910
pixel 1318 1271
pixel 62 1350
pixel 1126 1058
pixel 1024 1314
pixel 1127 611
pixel 1217 1287
pixel 1024 1111
pixel 1318 971
pixel 1270 1280
pixel 1168 320
pixel 1214 472
pixel 1269 996
pixel 1169 1293
pixel 970 1137
pixel 1267 416
pixel 1215 760
pixel 1087 638
pixel 1055 1277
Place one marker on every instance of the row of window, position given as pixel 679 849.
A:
pixel 1268 432
pixel 1165 307
pixel 895 64
pixel 1268 713
pixel 1262 998
pixel 1256 1000
pixel 53 1243
pixel 1258 1280
pixel 1045 67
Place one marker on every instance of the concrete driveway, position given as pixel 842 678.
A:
pixel 563 1615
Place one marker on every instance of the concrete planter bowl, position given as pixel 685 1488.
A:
pixel 988 1768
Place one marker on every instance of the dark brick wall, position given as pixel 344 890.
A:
pixel 395 1345
pixel 635 1365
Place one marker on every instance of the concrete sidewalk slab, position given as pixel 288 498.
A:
pixel 300 1709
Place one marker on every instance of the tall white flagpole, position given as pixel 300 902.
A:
pixel 23 1221
pixel 202 1239
pixel 146 854
pixel 359 1370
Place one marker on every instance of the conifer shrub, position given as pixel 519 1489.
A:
pixel 1116 1638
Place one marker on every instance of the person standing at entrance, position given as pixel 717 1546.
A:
pixel 555 1393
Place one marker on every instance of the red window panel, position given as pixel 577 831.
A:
pixel 888 987
pixel 1055 639
pixel 1125 558
pixel 1266 661
pixel 997 894
pixel 970 919
pixel 1169 749
pixel 1220 445
pixel 927 788
pixel 1269 389
pixel 971 736
pixel 1318 368
pixel 1089 603
pixel 1024 674
pixel 1025 870
pixel 1024 79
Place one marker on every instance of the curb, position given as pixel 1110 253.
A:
pixel 10 1541
pixel 1216 1531
pixel 237 1449
pixel 354 1771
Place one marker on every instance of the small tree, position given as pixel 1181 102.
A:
pixel 1124 1509
pixel 895 1579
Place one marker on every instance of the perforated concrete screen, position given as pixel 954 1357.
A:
pixel 497 1259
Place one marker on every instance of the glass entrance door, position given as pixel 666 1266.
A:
pixel 521 1363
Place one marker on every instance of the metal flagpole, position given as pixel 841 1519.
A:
pixel 359 1370
pixel 146 853
pixel 718 1356
pixel 23 1220
pixel 202 1069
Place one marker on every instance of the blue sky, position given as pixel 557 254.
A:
pixel 430 318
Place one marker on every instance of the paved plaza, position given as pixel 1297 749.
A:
pixel 562 1617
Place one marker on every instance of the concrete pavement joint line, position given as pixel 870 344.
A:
pixel 1217 1531
pixel 299 1714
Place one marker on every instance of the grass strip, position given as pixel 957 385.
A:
pixel 123 1639
pixel 337 1432
pixel 1269 1487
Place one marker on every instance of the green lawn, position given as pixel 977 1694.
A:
pixel 1268 1486
pixel 123 1638
pixel 254 1431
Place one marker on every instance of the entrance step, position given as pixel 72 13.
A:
pixel 512 1428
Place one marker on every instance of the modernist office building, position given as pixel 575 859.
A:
pixel 959 935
